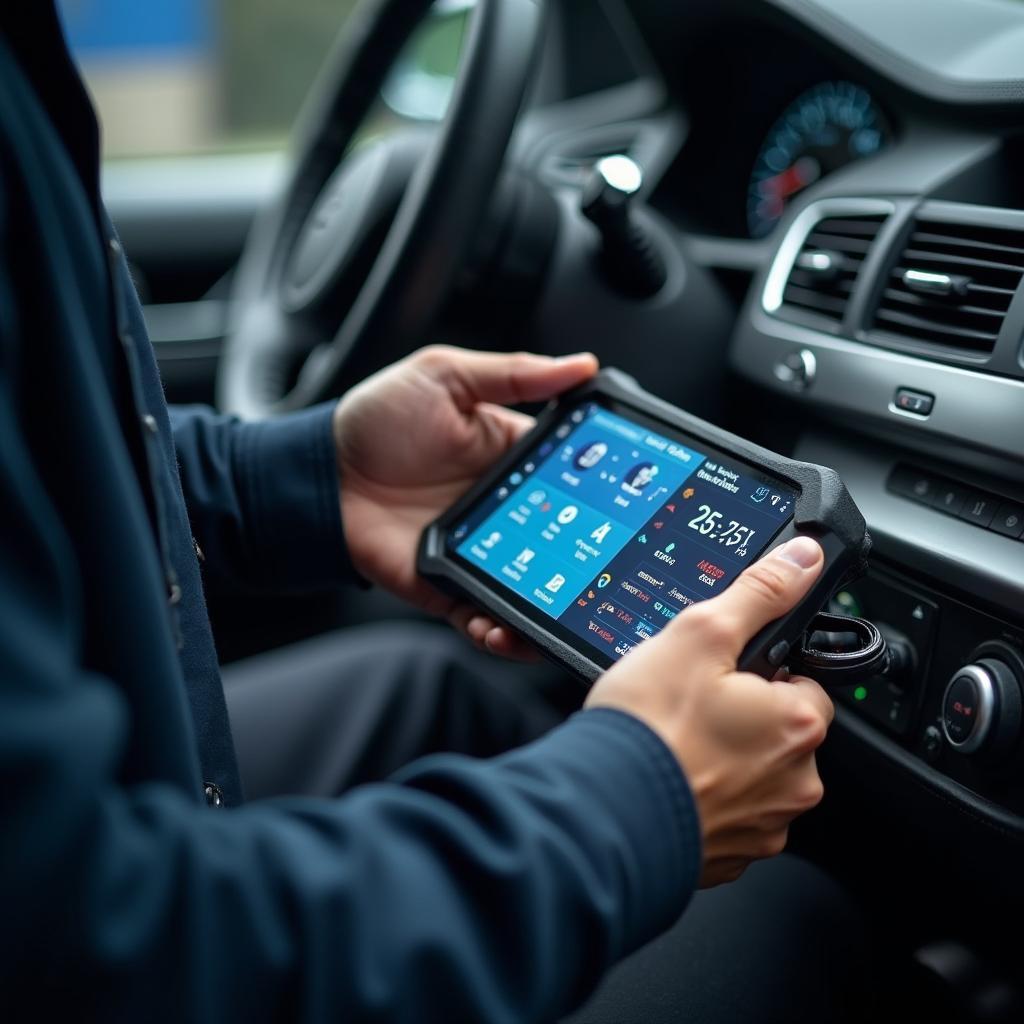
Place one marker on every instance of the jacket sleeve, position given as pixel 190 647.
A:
pixel 484 891
pixel 262 498
pixel 461 890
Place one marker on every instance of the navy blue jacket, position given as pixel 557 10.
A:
pixel 462 890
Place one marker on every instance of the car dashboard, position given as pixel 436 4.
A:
pixel 866 211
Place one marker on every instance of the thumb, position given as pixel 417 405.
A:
pixel 763 592
pixel 508 379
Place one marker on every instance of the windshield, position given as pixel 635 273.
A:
pixel 950 39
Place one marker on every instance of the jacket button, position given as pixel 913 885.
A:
pixel 173 588
pixel 214 797
pixel 149 422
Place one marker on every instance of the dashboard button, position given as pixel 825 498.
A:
pixel 949 498
pixel 1008 520
pixel 917 402
pixel 912 483
pixel 979 508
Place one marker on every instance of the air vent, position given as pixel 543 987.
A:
pixel 952 285
pixel 826 267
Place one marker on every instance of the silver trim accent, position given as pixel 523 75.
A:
pixel 971 407
pixel 927 283
pixel 986 708
pixel 804 223
pixel 986 565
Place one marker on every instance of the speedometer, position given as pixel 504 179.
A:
pixel 823 129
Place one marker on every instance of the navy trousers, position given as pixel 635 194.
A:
pixel 783 945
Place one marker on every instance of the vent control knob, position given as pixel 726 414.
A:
pixel 981 708
pixel 797 369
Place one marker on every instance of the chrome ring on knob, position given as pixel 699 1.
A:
pixel 986 708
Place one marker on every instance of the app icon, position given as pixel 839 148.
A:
pixel 759 495
pixel 671 508
pixel 603 580
pixel 546 507
pixel 658 526
pixel 590 455
pixel 503 492
pixel 775 499
pixel 669 548
pixel 525 557
pixel 515 479
pixel 563 431
pixel 688 493
pixel 601 532
pixel 591 595
pixel 460 531
pixel 555 583
pixel 529 467
pixel 577 416
pixel 639 477
pixel 490 541
pixel 536 497
pixel 568 514
pixel 642 538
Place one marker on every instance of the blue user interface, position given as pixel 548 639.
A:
pixel 612 529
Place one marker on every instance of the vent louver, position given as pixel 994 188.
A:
pixel 827 266
pixel 952 285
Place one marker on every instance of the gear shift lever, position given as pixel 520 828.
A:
pixel 629 256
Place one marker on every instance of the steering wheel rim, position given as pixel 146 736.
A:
pixel 433 228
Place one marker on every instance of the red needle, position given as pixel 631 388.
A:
pixel 805 171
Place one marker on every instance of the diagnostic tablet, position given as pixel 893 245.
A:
pixel 618 511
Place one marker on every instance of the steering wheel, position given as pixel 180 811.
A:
pixel 358 252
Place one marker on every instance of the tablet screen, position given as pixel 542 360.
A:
pixel 610 527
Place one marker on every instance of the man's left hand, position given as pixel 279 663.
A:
pixel 413 438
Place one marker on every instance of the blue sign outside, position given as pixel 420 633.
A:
pixel 122 27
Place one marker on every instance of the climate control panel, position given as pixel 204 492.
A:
pixel 958 703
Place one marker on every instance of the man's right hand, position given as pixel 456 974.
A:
pixel 746 745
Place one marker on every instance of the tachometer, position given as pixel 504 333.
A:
pixel 823 129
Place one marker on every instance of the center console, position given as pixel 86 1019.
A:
pixel 894 328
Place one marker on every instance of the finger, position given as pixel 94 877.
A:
pixel 762 593
pixel 506 379
pixel 511 424
pixel 489 636
pixel 813 692
pixel 460 616
pixel 507 644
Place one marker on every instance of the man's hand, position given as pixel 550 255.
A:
pixel 413 438
pixel 746 745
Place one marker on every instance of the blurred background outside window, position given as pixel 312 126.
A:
pixel 176 77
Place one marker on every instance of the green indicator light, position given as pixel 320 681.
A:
pixel 847 603
pixel 860 693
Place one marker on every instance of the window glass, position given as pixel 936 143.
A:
pixel 189 76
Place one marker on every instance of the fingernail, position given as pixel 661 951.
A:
pixel 575 355
pixel 801 551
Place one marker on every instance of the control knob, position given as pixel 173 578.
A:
pixel 981 708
